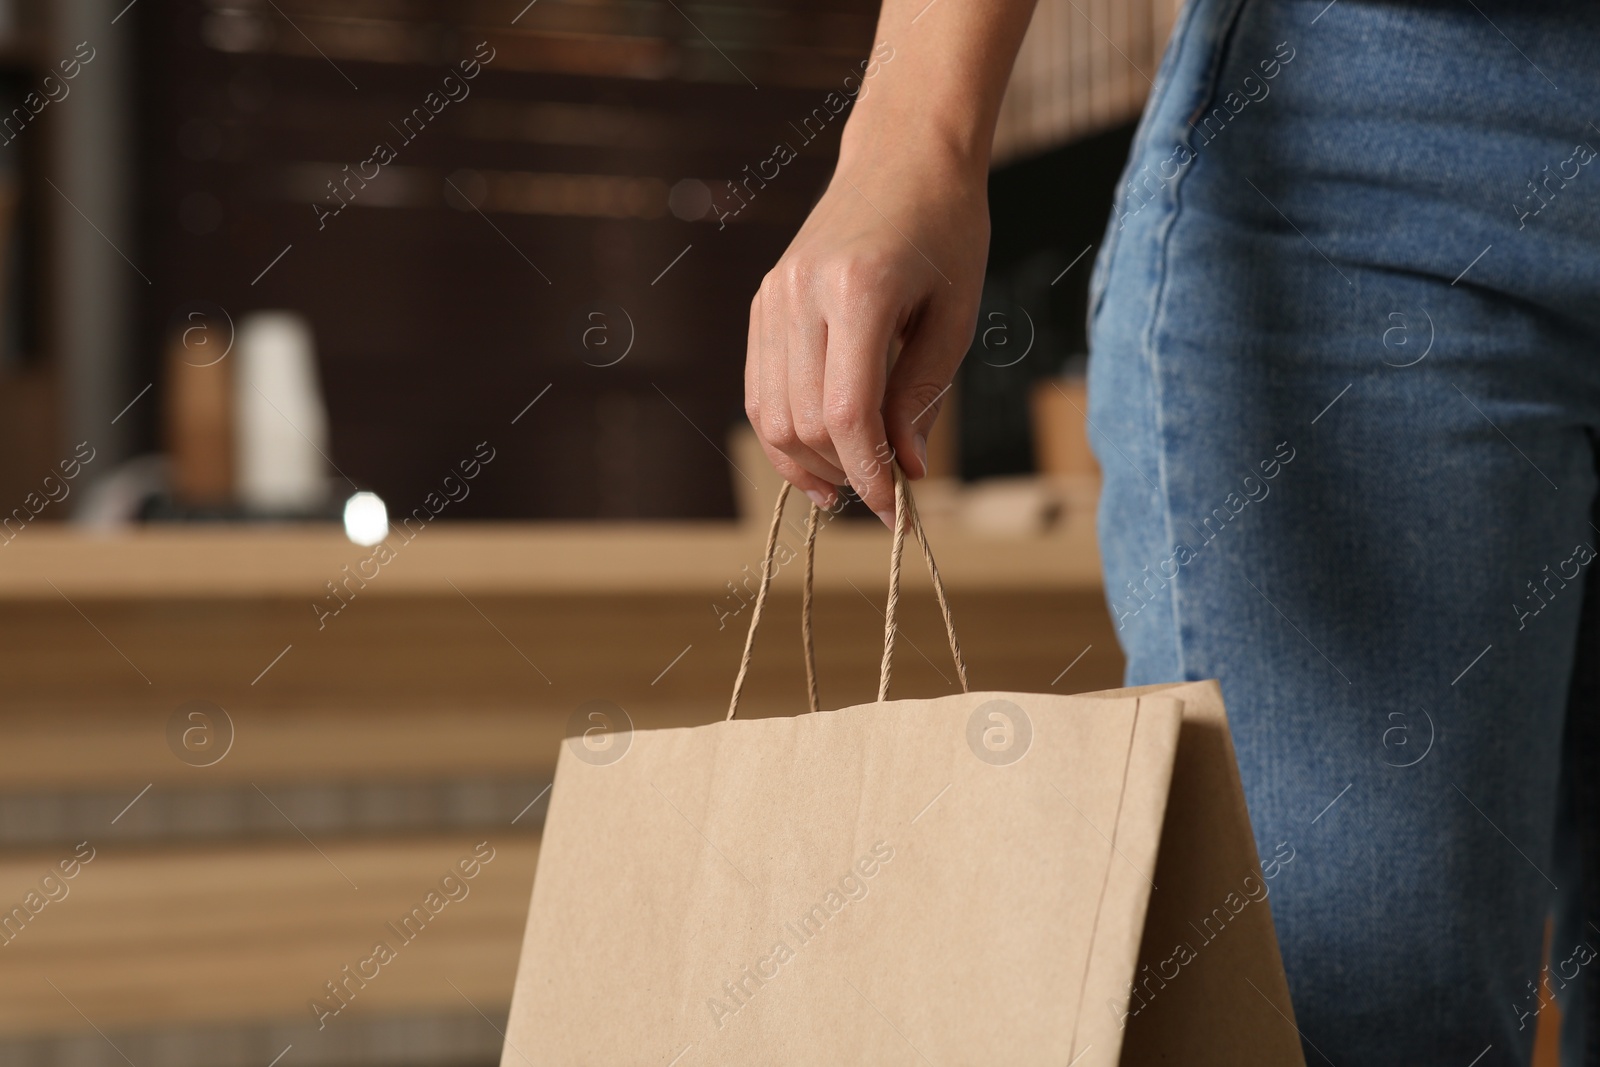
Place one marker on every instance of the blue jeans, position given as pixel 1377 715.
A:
pixel 1344 388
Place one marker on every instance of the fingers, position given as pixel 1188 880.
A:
pixel 805 399
pixel 819 489
pixel 752 366
pixel 853 391
pixel 918 385
pixel 792 334
pixel 827 407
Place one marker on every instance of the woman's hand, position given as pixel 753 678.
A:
pixel 856 333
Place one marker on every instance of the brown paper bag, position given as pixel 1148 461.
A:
pixel 970 879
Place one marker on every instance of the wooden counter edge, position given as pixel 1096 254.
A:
pixel 511 559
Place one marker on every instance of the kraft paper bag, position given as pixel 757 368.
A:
pixel 987 878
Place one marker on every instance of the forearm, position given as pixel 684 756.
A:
pixel 939 93
pixel 857 332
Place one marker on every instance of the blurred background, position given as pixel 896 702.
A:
pixel 370 418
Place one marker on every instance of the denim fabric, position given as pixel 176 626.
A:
pixel 1344 386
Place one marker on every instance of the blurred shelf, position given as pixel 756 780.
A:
pixel 158 563
pixel 338 806
pixel 291 746
pixel 458 1038
pixel 468 651
pixel 252 934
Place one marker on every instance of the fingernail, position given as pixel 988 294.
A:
pixel 920 443
pixel 887 517
pixel 818 497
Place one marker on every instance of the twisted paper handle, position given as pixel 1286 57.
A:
pixel 906 517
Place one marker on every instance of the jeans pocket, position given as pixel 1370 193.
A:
pixel 1188 68
pixel 1159 88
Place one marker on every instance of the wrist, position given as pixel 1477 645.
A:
pixel 880 136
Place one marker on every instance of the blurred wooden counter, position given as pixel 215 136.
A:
pixel 153 935
pixel 283 624
pixel 226 561
pixel 426 712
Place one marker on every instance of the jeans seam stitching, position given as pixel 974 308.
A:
pixel 1158 315
pixel 1160 89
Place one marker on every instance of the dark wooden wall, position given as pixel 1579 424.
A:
pixel 437 320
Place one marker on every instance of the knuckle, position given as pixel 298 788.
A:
pixel 784 466
pixel 778 431
pixel 794 276
pixel 847 414
pixel 859 274
pixel 813 432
